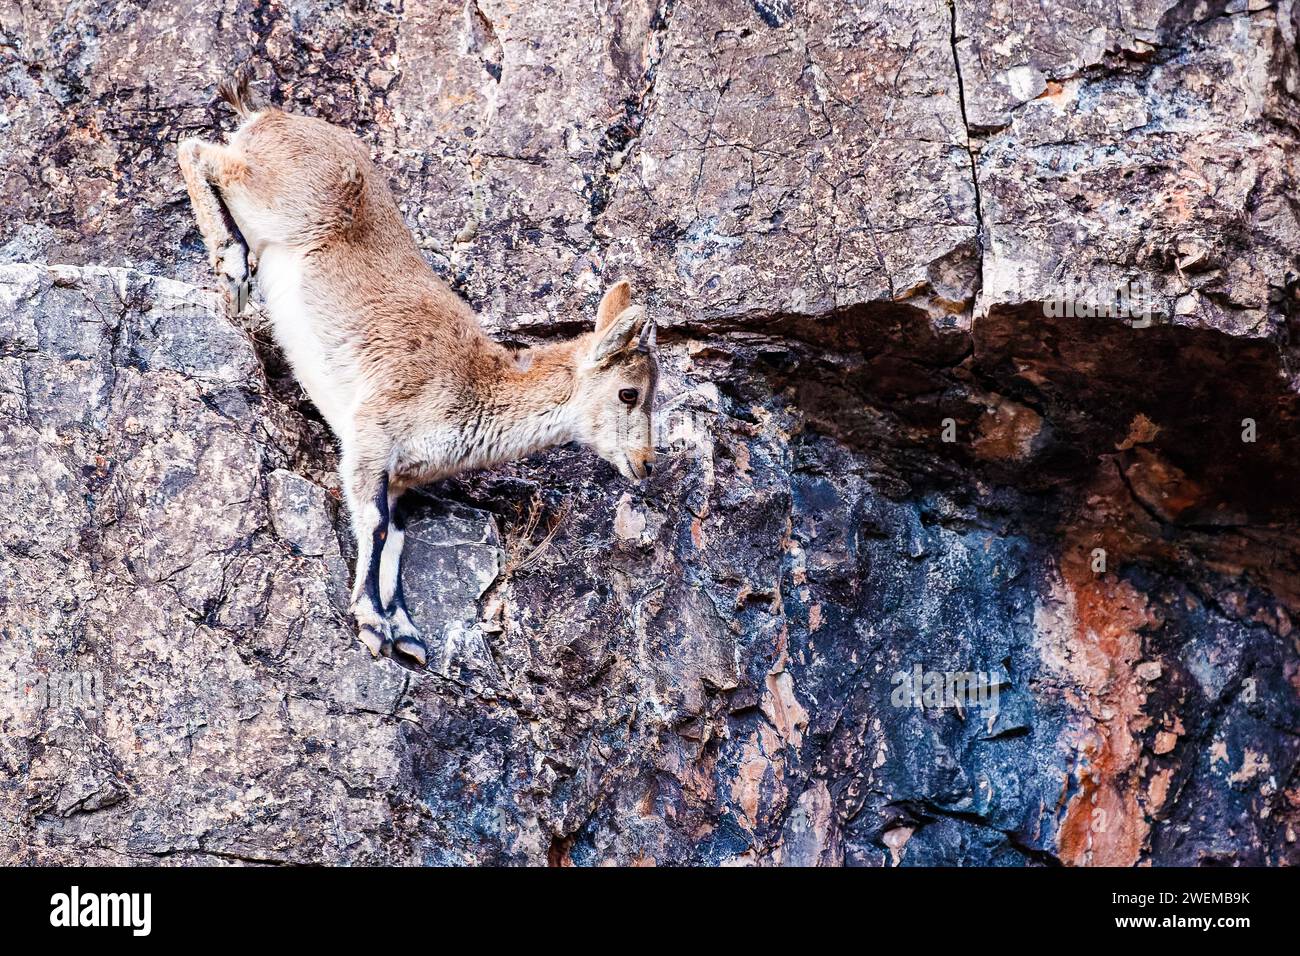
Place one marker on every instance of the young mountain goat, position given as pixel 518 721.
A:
pixel 398 365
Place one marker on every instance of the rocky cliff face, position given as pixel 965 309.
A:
pixel 901 443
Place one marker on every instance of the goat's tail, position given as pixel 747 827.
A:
pixel 234 90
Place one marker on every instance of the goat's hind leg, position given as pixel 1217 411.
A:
pixel 406 637
pixel 367 494
pixel 206 167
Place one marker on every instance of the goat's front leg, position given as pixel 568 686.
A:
pixel 203 165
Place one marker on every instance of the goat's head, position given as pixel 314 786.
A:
pixel 615 390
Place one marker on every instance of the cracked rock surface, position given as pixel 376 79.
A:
pixel 891 449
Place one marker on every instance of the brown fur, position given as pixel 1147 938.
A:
pixel 398 364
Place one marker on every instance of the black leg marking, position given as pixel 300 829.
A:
pixel 401 514
pixel 407 645
pixel 229 219
pixel 373 629
pixel 379 536
pixel 234 266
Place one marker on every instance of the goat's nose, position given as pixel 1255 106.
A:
pixel 649 468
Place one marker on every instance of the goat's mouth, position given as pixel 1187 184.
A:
pixel 625 464
pixel 631 470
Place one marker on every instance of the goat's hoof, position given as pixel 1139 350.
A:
pixel 237 297
pixel 376 643
pixel 413 648
pixel 233 271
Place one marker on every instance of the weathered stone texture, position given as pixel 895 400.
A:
pixel 853 221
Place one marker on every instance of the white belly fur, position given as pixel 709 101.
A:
pixel 302 335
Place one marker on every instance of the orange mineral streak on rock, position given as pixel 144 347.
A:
pixel 697 534
pixel 748 783
pixel 760 754
pixel 1252 765
pixel 1123 520
pixel 1162 487
pixel 1088 634
pixel 751 787
pixel 896 840
pixel 1006 432
pixel 1056 93
pixel 1158 789
pixel 783 708
pixel 812 834
pixel 779 703
pixel 696 768
pixel 740 453
pixel 1141 431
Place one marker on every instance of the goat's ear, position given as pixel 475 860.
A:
pixel 618 333
pixel 617 298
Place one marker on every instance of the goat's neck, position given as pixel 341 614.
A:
pixel 529 405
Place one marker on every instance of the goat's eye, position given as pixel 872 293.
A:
pixel 627 396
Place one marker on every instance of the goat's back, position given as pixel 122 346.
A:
pixel 310 188
pixel 305 182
